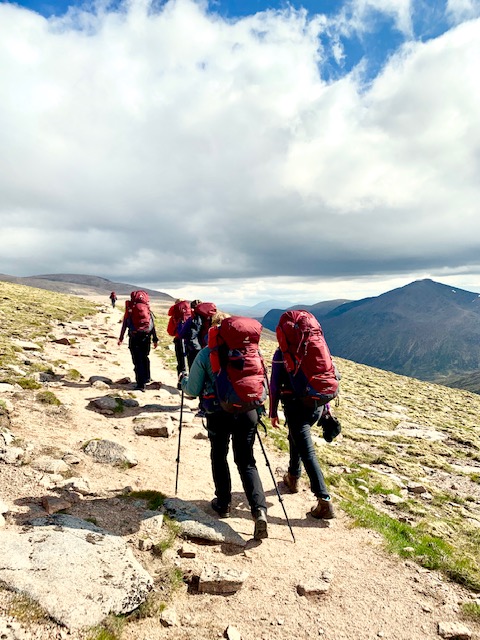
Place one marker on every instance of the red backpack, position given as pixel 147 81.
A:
pixel 241 378
pixel 140 314
pixel 306 357
pixel 179 313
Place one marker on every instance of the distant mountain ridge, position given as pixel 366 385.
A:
pixel 79 284
pixel 425 330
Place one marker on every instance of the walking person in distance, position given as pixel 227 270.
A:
pixel 139 322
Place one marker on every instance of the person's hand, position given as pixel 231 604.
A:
pixel 155 345
pixel 119 342
pixel 275 422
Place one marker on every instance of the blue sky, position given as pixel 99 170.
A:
pixel 239 151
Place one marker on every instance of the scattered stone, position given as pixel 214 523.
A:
pixel 155 385
pixel 108 452
pixel 416 487
pixel 7 437
pixel 6 387
pixel 168 617
pixel 99 384
pixel 3 507
pixel 52 504
pixel 6 407
pixel 196 524
pixel 109 405
pixel 393 499
pixel 231 633
pixel 2 525
pixel 125 380
pixel 145 544
pixel 363 489
pixel 187 551
pixel 62 341
pixel 76 571
pixel 151 524
pixel 26 345
pixel 50 465
pixel 71 459
pixel 426 608
pixel 12 455
pixel 93 379
pixel 319 588
pixel 201 435
pixel 156 427
pixel 454 631
pixel 79 485
pixel 218 580
pixel 16 369
pixel 408 549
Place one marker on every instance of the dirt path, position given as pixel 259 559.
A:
pixel 370 594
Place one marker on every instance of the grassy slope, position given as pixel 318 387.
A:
pixel 27 313
pixel 440 532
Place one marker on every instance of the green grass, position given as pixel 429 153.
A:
pixel 28 383
pixel 429 551
pixel 26 610
pixel 48 397
pixel 27 311
pixel 154 499
pixel 471 610
pixel 110 629
pixel 74 375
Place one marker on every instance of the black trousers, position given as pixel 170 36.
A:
pixel 302 450
pixel 241 429
pixel 180 355
pixel 139 345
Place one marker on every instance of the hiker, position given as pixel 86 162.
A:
pixel 195 330
pixel 138 319
pixel 222 426
pixel 179 313
pixel 113 298
pixel 299 332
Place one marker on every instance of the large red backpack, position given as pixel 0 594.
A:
pixel 140 312
pixel 306 357
pixel 179 314
pixel 241 378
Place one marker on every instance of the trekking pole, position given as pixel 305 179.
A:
pixel 273 478
pixel 179 441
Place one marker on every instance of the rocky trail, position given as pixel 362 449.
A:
pixel 334 582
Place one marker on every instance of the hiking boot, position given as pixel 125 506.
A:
pixel 260 532
pixel 200 414
pixel 222 510
pixel 323 510
pixel 291 482
pixel 139 387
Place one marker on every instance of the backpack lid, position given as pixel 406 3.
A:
pixel 140 297
pixel 205 310
pixel 238 332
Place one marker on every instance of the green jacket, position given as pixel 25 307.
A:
pixel 201 379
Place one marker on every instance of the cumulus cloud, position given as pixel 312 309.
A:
pixel 169 145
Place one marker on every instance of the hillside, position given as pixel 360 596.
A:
pixel 425 329
pixel 319 310
pixel 406 467
pixel 83 285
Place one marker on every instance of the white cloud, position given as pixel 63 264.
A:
pixel 359 15
pixel 175 146
pixel 460 10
